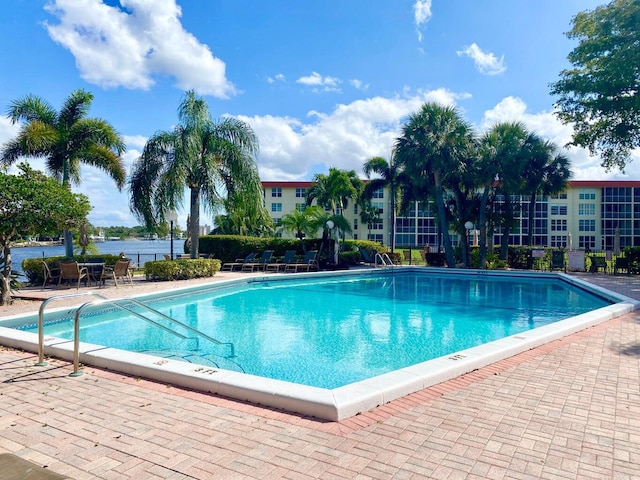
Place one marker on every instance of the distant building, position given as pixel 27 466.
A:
pixel 585 216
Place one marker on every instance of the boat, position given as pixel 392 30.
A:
pixel 97 238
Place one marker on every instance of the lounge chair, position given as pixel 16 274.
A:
pixel 598 263
pixel 557 261
pixel 289 257
pixel 50 274
pixel 309 263
pixel 237 265
pixel 70 271
pixel 119 270
pixel 367 257
pixel 259 264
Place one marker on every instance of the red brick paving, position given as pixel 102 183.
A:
pixel 568 409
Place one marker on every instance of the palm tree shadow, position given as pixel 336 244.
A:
pixel 630 350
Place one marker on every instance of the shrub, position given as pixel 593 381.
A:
pixel 163 270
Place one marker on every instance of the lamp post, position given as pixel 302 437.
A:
pixel 469 226
pixel 172 217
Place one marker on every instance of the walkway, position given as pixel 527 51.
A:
pixel 569 409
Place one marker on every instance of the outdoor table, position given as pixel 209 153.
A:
pixel 94 271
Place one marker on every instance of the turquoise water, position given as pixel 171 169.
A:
pixel 332 332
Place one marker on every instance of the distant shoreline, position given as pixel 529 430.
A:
pixel 34 244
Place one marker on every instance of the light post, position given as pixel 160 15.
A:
pixel 469 226
pixel 172 216
pixel 331 225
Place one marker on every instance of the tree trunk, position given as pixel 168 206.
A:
pixel 5 277
pixel 532 211
pixel 194 227
pixel 483 228
pixel 446 240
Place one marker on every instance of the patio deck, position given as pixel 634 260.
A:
pixel 568 409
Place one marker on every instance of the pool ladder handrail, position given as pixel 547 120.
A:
pixel 385 260
pixel 116 303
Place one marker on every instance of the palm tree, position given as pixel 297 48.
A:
pixel 433 142
pixel 301 223
pixel 390 175
pixel 498 170
pixel 334 191
pixel 65 139
pixel 546 173
pixel 208 157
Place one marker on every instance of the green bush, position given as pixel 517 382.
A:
pixel 163 270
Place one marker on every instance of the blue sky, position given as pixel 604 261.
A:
pixel 323 83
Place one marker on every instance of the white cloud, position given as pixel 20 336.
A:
pixel 326 84
pixel 8 130
pixel 584 166
pixel 486 62
pixel 129 46
pixel 358 84
pixel 421 14
pixel 290 149
pixel 276 78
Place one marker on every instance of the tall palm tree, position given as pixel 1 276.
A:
pixel 498 169
pixel 390 175
pixel 209 158
pixel 65 139
pixel 547 172
pixel 433 142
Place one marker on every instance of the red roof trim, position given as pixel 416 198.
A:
pixel 604 183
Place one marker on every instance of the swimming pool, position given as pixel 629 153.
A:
pixel 346 342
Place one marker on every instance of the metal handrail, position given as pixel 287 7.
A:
pixel 385 260
pixel 116 302
pixel 41 362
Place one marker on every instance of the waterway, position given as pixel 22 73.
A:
pixel 140 251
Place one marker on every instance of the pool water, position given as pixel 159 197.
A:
pixel 330 332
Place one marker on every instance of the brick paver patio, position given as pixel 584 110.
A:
pixel 569 409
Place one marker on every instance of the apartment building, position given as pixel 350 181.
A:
pixel 588 215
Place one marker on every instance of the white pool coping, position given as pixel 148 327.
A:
pixel 328 404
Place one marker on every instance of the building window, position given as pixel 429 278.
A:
pixel 587 194
pixel 276 192
pixel 378 206
pixel 277 221
pixel 379 193
pixel 558 241
pixel 587 209
pixel 276 207
pixel 301 207
pixel 355 208
pixel 558 225
pixel 301 193
pixel 376 226
pixel 558 209
pixel 587 225
pixel 560 196
pixel 587 242
pixel 355 223
pixel 375 237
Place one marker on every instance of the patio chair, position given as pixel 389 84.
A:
pixel 120 270
pixel 557 261
pixel 621 263
pixel 598 263
pixel 71 271
pixel 367 257
pixel 50 274
pixel 260 264
pixel 289 257
pixel 237 265
pixel 309 263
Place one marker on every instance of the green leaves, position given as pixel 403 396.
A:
pixel 600 95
